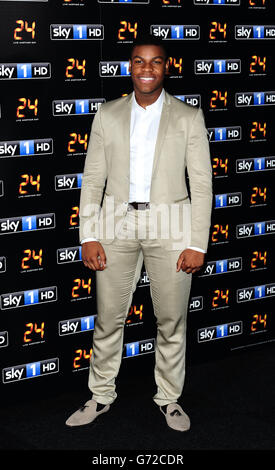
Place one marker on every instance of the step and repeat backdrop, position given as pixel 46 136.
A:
pixel 60 60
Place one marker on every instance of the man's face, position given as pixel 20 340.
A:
pixel 148 67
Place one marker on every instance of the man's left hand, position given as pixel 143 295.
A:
pixel 190 261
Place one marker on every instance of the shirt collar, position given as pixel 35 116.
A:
pixel 156 106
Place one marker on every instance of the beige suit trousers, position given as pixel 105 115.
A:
pixel 115 286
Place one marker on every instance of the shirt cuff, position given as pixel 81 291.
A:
pixel 196 249
pixel 89 240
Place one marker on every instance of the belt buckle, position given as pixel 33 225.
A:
pixel 146 205
pixel 138 205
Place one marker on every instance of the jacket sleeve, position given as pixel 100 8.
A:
pixel 199 170
pixel 93 182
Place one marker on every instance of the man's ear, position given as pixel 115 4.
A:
pixel 130 65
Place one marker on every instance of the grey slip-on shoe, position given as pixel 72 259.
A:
pixel 86 414
pixel 176 418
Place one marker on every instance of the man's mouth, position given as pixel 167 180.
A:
pixel 146 79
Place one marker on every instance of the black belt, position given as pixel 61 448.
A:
pixel 139 205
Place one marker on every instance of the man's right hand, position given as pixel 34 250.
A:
pixel 93 256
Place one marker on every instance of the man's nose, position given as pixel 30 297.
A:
pixel 147 67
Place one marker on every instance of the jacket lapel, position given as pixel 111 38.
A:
pixel 126 121
pixel 163 125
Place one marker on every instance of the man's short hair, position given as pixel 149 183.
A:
pixel 149 40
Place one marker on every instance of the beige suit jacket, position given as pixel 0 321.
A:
pixel 182 143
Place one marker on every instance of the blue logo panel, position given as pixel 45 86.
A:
pixel 258 32
pixel 124 68
pixel 132 349
pixel 29 223
pixel 87 323
pixel 220 133
pixel 31 297
pixel 177 32
pixel 221 200
pixel 32 370
pixel 259 291
pixel 222 330
pixel 221 266
pixel 258 98
pixel 26 147
pixel 219 66
pixel 259 228
pixel 80 31
pixel 24 71
pixel 79 180
pixel 82 106
pixel 259 164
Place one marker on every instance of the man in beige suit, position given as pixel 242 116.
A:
pixel 139 150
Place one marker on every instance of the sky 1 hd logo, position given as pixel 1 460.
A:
pixel 217 2
pixel 177 32
pixel 222 266
pixel 255 32
pixel 24 148
pixel 114 69
pixel 28 297
pixel 220 331
pixel 255 98
pixel 27 223
pixel 255 229
pixel 222 134
pixel 193 100
pixel 25 71
pixel 30 370
pixel 76 325
pixel 228 200
pixel 217 66
pixel 248 165
pixel 69 255
pixel 76 107
pixel 246 294
pixel 65 182
pixel 76 31
pixel 137 348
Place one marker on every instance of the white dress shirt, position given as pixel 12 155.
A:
pixel 143 135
